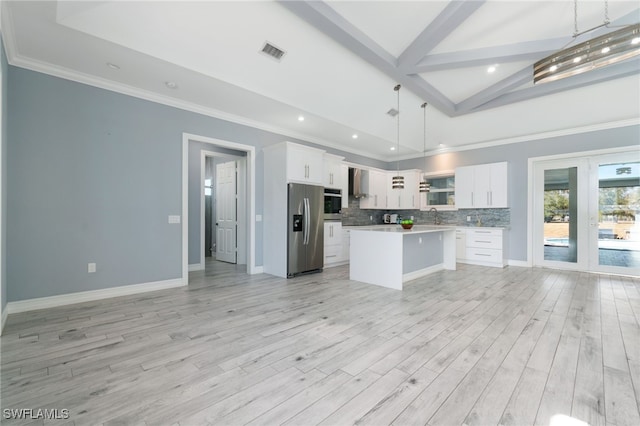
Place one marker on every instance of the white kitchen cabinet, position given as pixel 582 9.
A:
pixel 374 184
pixel 346 239
pixel 333 250
pixel 332 173
pixel 482 246
pixel 344 174
pixel 304 164
pixel 461 244
pixel 482 186
pixel 407 198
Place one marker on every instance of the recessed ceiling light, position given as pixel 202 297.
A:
pixel 491 69
pixel 171 84
pixel 605 49
pixel 113 66
pixel 354 136
pixel 441 145
pixel 636 40
pixel 553 68
pixel 577 59
pixel 300 118
pixel 393 148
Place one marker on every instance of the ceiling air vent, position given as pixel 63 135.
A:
pixel 392 112
pixel 271 50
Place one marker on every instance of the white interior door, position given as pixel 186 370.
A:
pixel 226 211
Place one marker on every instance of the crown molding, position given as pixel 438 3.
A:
pixel 530 137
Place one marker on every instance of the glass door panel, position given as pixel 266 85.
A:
pixel 560 215
pixel 618 239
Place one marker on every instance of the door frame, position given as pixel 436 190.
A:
pixel 532 164
pixel 241 243
pixel 250 199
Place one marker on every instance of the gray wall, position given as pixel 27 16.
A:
pixel 517 156
pixel 92 176
pixel 3 170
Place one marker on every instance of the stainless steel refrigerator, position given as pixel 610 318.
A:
pixel 305 226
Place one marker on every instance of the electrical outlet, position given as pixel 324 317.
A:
pixel 468 218
pixel 91 268
pixel 411 217
pixel 371 218
pixel 419 240
pixel 174 218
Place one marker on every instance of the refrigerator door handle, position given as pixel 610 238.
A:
pixel 305 218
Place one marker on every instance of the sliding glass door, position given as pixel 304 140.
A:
pixel 585 213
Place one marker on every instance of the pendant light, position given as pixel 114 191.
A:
pixel 397 182
pixel 424 185
pixel 592 54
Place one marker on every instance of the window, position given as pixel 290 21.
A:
pixel 442 192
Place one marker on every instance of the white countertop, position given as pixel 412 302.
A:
pixel 417 229
pixel 435 227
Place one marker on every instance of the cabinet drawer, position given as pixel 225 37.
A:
pixel 484 232
pixel 484 241
pixel 484 255
pixel 332 253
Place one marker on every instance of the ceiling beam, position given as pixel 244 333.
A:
pixel 454 14
pixel 505 85
pixel 529 50
pixel 326 19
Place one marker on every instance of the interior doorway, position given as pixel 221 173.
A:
pixel 246 234
pixel 586 213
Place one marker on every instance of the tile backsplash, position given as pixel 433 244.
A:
pixel 355 216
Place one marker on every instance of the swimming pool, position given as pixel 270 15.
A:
pixel 556 242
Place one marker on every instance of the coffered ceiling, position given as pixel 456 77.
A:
pixel 341 62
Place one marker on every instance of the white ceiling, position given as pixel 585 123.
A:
pixel 342 60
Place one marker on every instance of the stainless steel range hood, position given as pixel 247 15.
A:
pixel 355 182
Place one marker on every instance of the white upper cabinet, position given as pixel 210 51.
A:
pixel 344 173
pixel 374 184
pixel 333 177
pixel 483 186
pixel 408 197
pixel 304 164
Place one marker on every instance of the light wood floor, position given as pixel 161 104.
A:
pixel 477 346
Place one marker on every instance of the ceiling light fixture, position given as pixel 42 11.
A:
pixel 171 84
pixel 592 54
pixel 491 69
pixel 424 185
pixel 393 148
pixel 354 136
pixel 300 118
pixel 397 182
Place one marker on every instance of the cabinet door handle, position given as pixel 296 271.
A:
pixel 488 202
pixel 491 197
pixel 375 200
pixel 472 198
pixel 481 241
pixel 482 254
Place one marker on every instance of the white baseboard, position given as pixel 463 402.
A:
pixel 5 315
pixel 422 272
pixel 257 270
pixel 89 296
pixel 523 263
pixel 196 267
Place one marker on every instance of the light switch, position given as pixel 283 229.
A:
pixel 91 268
pixel 174 218
pixel 258 218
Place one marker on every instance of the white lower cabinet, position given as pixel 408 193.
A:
pixel 481 246
pixel 333 245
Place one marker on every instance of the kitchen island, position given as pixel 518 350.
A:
pixel 389 256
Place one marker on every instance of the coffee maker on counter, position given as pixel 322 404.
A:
pixel 390 218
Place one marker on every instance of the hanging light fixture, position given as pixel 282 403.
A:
pixel 424 184
pixel 592 54
pixel 397 182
